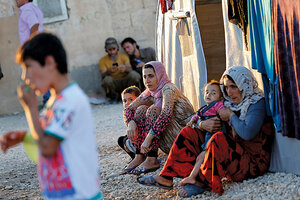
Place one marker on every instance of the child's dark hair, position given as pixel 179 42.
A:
pixel 130 40
pixel 30 0
pixel 41 46
pixel 132 89
pixel 212 82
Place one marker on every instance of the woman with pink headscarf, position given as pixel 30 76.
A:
pixel 155 118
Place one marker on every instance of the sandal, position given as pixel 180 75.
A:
pixel 150 181
pixel 126 171
pixel 142 170
pixel 189 190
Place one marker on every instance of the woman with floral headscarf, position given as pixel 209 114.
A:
pixel 242 153
pixel 155 118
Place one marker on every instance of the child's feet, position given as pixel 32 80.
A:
pixel 191 180
pixel 188 180
pixel 163 181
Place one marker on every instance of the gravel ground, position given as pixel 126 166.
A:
pixel 18 179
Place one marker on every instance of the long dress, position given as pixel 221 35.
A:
pixel 224 157
pixel 165 122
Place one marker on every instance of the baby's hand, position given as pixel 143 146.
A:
pixel 234 134
pixel 11 138
pixel 190 123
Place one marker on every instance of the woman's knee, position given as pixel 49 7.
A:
pixel 188 132
pixel 141 112
pixel 153 112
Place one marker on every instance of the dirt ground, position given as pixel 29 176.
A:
pixel 18 178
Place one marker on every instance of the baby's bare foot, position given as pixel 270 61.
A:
pixel 188 180
pixel 163 181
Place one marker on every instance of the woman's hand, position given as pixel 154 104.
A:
pixel 145 147
pixel 132 131
pixel 211 125
pixel 27 96
pixel 225 114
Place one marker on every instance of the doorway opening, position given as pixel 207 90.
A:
pixel 211 25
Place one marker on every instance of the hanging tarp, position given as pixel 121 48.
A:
pixel 286 17
pixel 262 53
pixel 236 53
pixel 179 47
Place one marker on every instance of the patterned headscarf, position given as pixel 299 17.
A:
pixel 248 86
pixel 162 80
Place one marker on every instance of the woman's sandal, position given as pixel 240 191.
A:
pixel 126 170
pixel 150 181
pixel 189 190
pixel 142 170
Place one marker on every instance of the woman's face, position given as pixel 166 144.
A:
pixel 150 79
pixel 233 91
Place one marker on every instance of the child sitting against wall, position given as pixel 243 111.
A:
pixel 128 96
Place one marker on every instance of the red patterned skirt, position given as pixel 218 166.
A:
pixel 224 157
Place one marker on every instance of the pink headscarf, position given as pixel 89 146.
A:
pixel 162 80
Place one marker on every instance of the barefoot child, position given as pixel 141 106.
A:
pixel 213 98
pixel 68 158
pixel 128 96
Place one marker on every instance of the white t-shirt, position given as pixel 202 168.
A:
pixel 73 172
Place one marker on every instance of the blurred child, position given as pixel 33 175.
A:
pixel 128 96
pixel 214 100
pixel 68 157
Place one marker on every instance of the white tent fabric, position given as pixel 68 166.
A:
pixel 285 155
pixel 179 47
pixel 234 45
pixel 235 50
pixel 285 150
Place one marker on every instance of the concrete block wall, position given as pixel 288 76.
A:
pixel 83 34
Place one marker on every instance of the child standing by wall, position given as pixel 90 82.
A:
pixel 64 131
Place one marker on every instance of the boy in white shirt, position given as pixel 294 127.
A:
pixel 64 131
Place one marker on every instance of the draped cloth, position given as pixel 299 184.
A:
pixel 286 17
pixel 166 5
pixel 262 53
pixel 238 15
